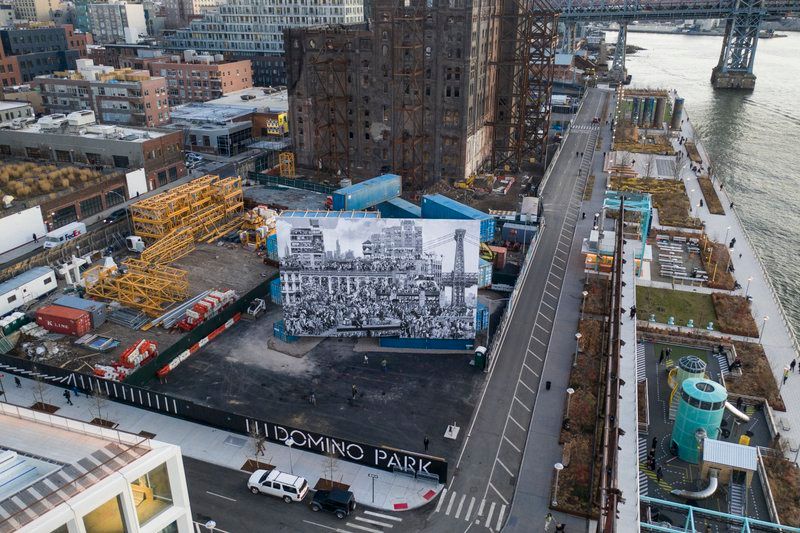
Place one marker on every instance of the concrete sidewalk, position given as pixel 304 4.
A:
pixel 778 337
pixel 392 492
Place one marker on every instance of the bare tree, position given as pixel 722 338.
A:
pixel 259 442
pixel 626 159
pixel 332 465
pixel 648 165
pixel 677 168
pixel 99 406
pixel 40 389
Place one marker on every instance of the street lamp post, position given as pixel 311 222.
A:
pixel 211 525
pixel 583 303
pixel 747 292
pixel 374 477
pixel 693 206
pixel 577 343
pixel 559 467
pixel 725 240
pixel 763 327
pixel 570 392
pixel 290 442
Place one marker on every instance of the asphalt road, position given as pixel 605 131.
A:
pixel 220 494
pixel 482 487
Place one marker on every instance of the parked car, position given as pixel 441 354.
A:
pixel 273 482
pixel 119 214
pixel 336 501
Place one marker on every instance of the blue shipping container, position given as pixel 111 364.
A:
pixel 438 206
pixel 367 193
pixel 275 291
pixel 399 208
pixel 482 317
pixel 484 273
pixel 97 310
pixel 280 332
pixel 518 232
pixel 427 344
pixel 272 246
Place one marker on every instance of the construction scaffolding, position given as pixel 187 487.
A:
pixel 523 74
pixel 176 244
pixel 331 125
pixel 150 288
pixel 408 64
pixel 286 164
pixel 208 207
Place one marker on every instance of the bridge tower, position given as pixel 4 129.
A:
pixel 568 38
pixel 617 71
pixel 459 282
pixel 735 67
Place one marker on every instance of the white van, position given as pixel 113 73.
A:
pixel 59 236
pixel 276 483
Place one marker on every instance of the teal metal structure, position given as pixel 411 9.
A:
pixel 641 203
pixel 701 407
pixel 697 517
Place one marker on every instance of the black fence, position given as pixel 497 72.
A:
pixel 295 183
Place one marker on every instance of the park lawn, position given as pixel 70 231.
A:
pixel 664 303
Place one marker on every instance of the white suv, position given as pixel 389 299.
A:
pixel 276 483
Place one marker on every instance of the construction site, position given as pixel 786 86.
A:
pixel 193 252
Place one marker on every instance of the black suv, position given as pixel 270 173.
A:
pixel 336 501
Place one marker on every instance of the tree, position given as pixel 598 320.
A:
pixel 40 389
pixel 98 406
pixel 677 168
pixel 626 159
pixel 648 166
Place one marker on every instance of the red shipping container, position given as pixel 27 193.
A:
pixel 65 320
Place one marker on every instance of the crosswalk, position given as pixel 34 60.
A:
pixel 370 522
pixel 724 367
pixel 641 363
pixel 642 459
pixel 585 127
pixel 483 512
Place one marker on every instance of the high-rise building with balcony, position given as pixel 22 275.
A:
pixel 117 22
pixel 199 78
pixel 253 29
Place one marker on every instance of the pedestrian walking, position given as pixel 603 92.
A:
pixel 312 398
pixel 583 216
pixel 17 382
pixel 75 391
pixel 731 206
pixel 659 474
pixel 633 311
pixel 661 357
pixel 426 442
pixel 547 521
pixel 792 364
pixel 701 202
pixel 655 442
pixel 68 397
pixel 35 238
pixel 669 353
pixel 740 255
pixel 581 154
pixel 354 391
pixel 561 527
pixel 785 374
pixel 366 360
pixel 384 365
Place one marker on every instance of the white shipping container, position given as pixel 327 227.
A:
pixel 25 288
pixel 19 228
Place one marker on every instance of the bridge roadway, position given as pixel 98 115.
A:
pixel 654 10
pixel 484 479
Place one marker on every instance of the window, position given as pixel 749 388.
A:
pixel 121 161
pixel 94 159
pixel 107 518
pixel 63 156
pixel 12 298
pixel 33 152
pixel 152 493
pixel 162 178
pixel 47 280
pixel 115 197
pixel 172 528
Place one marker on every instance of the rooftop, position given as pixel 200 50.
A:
pixel 9 105
pixel 203 112
pixel 52 459
pixel 58 124
pixel 258 99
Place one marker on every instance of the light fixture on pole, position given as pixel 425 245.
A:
pixel 559 467
pixel 210 525
pixel 290 442
pixel 583 303
pixel 693 206
pixel 747 292
pixel 763 327
pixel 577 344
pixel 570 392
pixel 725 240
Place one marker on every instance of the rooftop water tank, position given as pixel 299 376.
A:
pixel 702 404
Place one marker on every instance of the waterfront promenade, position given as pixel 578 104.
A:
pixel 778 339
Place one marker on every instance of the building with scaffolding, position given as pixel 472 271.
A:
pixel 426 90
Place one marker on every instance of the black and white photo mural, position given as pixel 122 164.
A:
pixel 351 277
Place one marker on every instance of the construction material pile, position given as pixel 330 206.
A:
pixel 130 360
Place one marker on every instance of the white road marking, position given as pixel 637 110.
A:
pixel 450 505
pixel 469 509
pixel 526 386
pixel 460 505
pixel 385 516
pixel 537 339
pixel 545 317
pixel 305 521
pixel 497 492
pixel 500 515
pixel 517 423
pixel 374 522
pixel 522 404
pixel 220 496
pixel 548 305
pixel 480 509
pixel 504 468
pixel 489 516
pixel 364 528
pixel 511 444
pixel 441 500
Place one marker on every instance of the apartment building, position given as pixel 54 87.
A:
pixel 14 112
pixel 117 22
pixel 253 29
pixel 126 96
pixel 7 15
pixel 408 94
pixel 35 10
pixel 87 478
pixel 78 138
pixel 27 52
pixel 199 78
pixel 180 12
